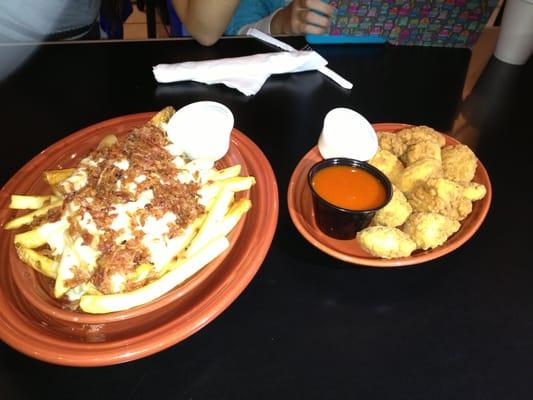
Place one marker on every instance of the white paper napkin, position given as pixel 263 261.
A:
pixel 246 74
pixel 284 46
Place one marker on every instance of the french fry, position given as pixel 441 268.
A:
pixel 140 273
pixel 107 141
pixel 182 270
pixel 28 218
pixel 20 202
pixel 208 195
pixel 217 209
pixel 46 233
pixel 188 235
pixel 38 262
pixel 76 292
pixel 235 184
pixel 64 272
pixel 215 215
pixel 30 239
pixel 230 172
pixel 162 117
pixel 238 183
pixel 236 211
pixel 54 176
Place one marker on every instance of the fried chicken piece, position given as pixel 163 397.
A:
pixel 474 191
pixel 420 151
pixel 442 196
pixel 421 133
pixel 395 212
pixel 430 230
pixel 391 142
pixel 418 172
pixel 385 242
pixel 459 163
pixel 387 163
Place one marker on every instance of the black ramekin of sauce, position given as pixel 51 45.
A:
pixel 346 193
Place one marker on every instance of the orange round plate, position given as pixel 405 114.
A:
pixel 301 212
pixel 34 323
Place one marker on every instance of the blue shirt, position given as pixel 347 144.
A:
pixel 250 11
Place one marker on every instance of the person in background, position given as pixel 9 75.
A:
pixel 113 14
pixel 207 20
pixel 51 20
pixel 297 17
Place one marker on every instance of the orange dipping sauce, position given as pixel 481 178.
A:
pixel 349 187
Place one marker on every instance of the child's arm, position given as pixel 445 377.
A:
pixel 205 20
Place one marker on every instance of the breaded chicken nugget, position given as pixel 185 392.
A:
pixel 430 230
pixel 420 151
pixel 385 242
pixel 459 163
pixel 474 191
pixel 442 196
pixel 395 212
pixel 387 163
pixel 421 133
pixel 391 142
pixel 418 172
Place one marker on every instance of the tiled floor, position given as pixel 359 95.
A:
pixel 135 28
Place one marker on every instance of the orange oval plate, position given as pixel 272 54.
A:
pixel 32 322
pixel 301 212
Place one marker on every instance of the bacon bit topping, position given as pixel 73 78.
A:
pixel 52 215
pixel 80 276
pixel 144 150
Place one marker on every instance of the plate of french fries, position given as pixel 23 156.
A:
pixel 109 240
pixel 442 194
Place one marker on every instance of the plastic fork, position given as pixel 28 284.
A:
pixel 284 46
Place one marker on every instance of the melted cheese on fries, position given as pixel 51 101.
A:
pixel 132 211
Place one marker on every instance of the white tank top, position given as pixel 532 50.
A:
pixel 31 20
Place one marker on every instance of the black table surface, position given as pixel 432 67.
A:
pixel 308 325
